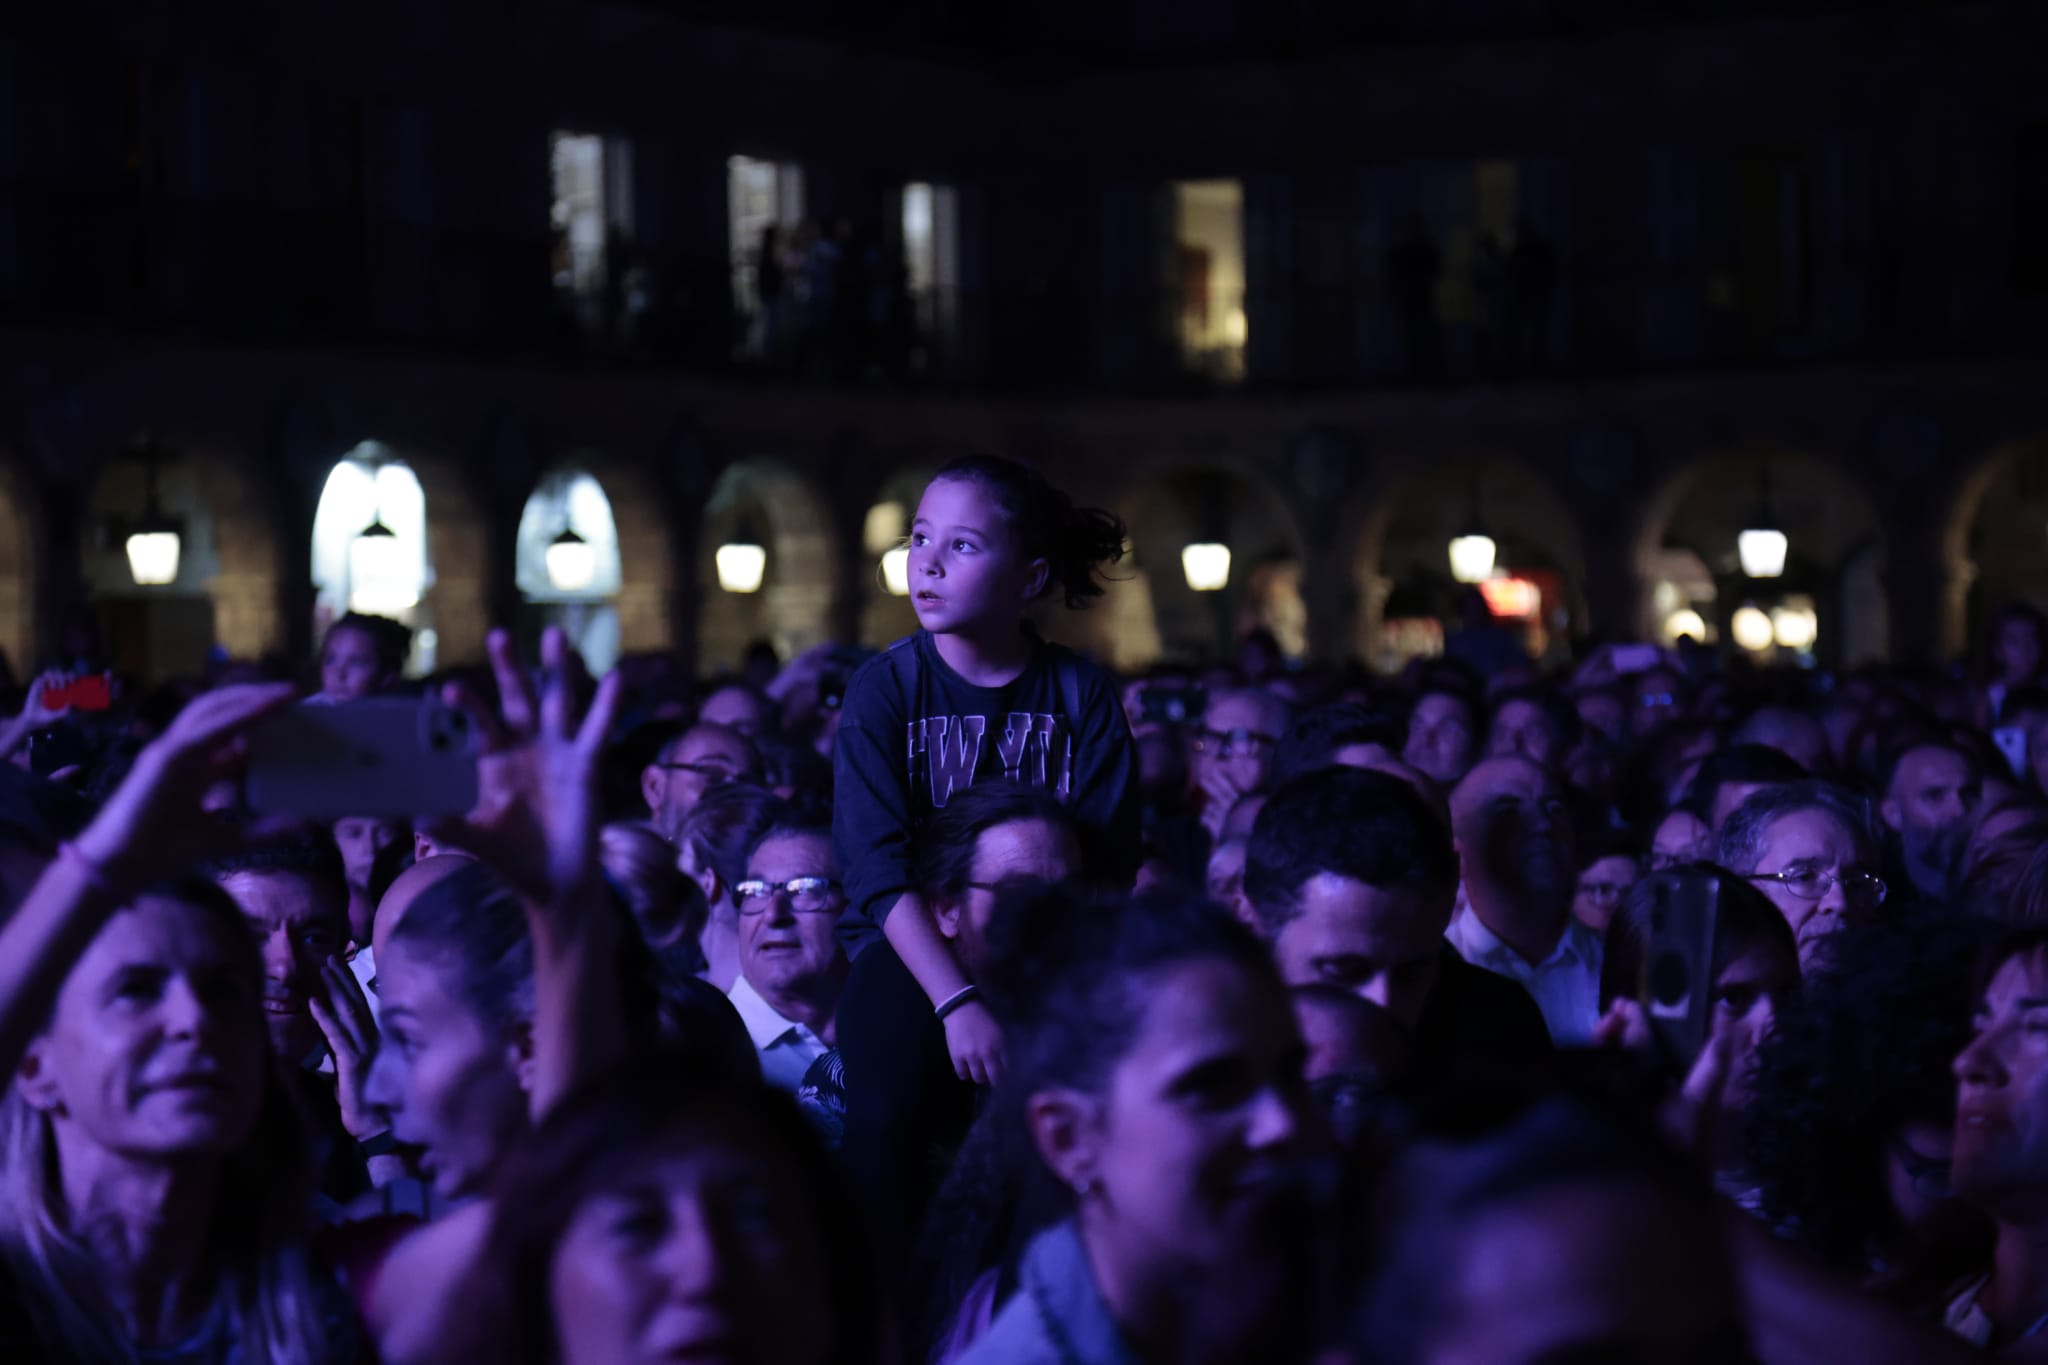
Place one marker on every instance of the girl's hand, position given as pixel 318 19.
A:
pixel 154 825
pixel 1623 1026
pixel 343 1013
pixel 537 811
pixel 975 1042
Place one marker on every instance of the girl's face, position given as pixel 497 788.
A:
pixel 698 1247
pixel 1188 1157
pixel 349 670
pixel 156 1049
pixel 1748 992
pixel 965 575
pixel 450 1081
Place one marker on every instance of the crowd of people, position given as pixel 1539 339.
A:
pixel 963 1002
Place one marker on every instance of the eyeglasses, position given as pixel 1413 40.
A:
pixel 1810 884
pixel 1231 743
pixel 811 895
pixel 1012 885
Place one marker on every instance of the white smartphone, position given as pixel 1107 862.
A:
pixel 387 756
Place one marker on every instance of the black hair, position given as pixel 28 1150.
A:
pixel 1746 920
pixel 310 857
pixel 1044 524
pixel 1430 1204
pixel 475 927
pixel 771 713
pixel 1739 845
pixel 1740 764
pixel 1867 1049
pixel 1317 735
pixel 791 825
pixel 2027 697
pixel 584 1141
pixel 1897 746
pixel 391 639
pixel 1561 715
pixel 945 854
pixel 387 864
pixel 1369 826
pixel 1070 976
pixel 1604 841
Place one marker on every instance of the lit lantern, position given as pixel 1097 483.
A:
pixel 1762 550
pixel 896 571
pixel 377 582
pixel 1206 565
pixel 1795 627
pixel 1513 599
pixel 153 554
pixel 1761 546
pixel 571 562
pixel 741 566
pixel 1472 556
pixel 1752 629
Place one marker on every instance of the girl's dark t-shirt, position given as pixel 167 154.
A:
pixel 902 752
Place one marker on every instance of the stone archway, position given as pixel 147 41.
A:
pixel 1836 544
pixel 1151 613
pixel 1405 531
pixel 884 616
pixel 1992 547
pixel 766 498
pixel 226 594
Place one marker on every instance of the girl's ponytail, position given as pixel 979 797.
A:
pixel 1075 541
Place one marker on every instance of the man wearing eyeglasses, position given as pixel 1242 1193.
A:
pixel 1234 749
pixel 792 968
pixel 700 758
pixel 1807 846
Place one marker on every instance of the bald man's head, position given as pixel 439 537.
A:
pixel 407 887
pixel 1513 833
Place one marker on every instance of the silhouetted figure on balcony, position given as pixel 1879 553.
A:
pixel 771 281
pixel 1415 266
pixel 1532 278
pixel 1490 277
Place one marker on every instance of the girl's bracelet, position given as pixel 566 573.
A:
pixel 966 995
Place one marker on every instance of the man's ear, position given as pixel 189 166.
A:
pixel 1890 811
pixel 1063 1126
pixel 651 785
pixel 35 1080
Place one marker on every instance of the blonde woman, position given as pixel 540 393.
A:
pixel 156 1177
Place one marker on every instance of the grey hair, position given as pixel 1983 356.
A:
pixel 1739 847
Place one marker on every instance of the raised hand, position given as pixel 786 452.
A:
pixel 154 823
pixel 537 813
pixel 343 1013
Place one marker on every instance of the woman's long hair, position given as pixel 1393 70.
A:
pixel 256 1247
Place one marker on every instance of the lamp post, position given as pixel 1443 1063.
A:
pixel 742 562
pixel 1473 551
pixel 1206 565
pixel 1762 546
pixel 156 541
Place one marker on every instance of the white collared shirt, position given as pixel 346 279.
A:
pixel 787 1048
pixel 1565 985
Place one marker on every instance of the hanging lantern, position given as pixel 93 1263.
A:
pixel 155 542
pixel 571 562
pixel 741 566
pixel 1472 556
pixel 1762 546
pixel 1206 565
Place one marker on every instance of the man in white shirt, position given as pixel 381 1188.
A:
pixel 791 965
pixel 1514 843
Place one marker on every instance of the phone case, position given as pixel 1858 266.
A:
pixel 394 757
pixel 1678 962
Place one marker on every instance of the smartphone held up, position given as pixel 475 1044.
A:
pixel 387 757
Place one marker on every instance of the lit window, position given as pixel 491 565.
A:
pixel 1209 258
pixel 370 544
